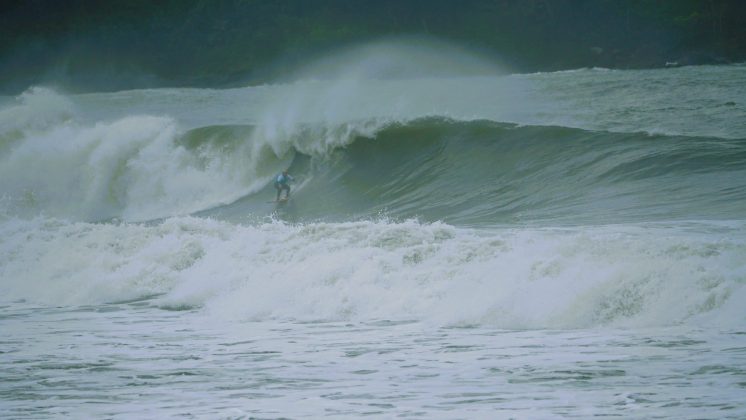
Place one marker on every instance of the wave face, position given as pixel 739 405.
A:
pixel 568 199
pixel 479 173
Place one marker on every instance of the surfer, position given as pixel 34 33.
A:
pixel 281 183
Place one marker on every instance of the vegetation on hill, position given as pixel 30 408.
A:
pixel 86 44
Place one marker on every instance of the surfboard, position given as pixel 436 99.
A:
pixel 280 201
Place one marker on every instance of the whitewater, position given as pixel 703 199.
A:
pixel 461 242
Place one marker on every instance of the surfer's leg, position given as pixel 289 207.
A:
pixel 287 191
pixel 279 191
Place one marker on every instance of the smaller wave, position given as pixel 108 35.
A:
pixel 622 275
pixel 568 71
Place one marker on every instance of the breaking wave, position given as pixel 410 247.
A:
pixel 469 172
pixel 511 278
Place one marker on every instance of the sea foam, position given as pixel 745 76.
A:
pixel 510 278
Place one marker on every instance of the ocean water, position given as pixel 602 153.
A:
pixel 568 244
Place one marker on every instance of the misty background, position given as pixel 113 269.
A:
pixel 84 45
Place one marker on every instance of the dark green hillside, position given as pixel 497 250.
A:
pixel 92 45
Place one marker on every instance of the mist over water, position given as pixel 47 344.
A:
pixel 436 193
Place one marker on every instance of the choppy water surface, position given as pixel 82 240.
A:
pixel 134 360
pixel 567 244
